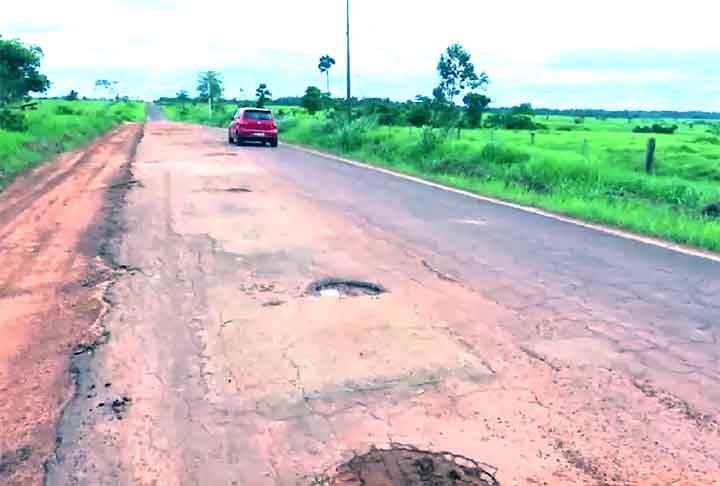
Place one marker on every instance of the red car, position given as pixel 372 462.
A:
pixel 253 125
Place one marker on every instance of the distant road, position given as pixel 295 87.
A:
pixel 155 113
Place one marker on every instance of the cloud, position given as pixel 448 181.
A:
pixel 530 49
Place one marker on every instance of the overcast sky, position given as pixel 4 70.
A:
pixel 634 54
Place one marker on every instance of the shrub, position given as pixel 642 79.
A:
pixel 511 121
pixel 656 128
pixel 430 140
pixel 66 110
pixel 499 154
pixel 12 121
pixel 350 136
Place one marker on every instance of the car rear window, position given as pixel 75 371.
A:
pixel 258 115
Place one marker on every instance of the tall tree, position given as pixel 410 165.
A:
pixel 457 73
pixel 20 72
pixel 210 88
pixel 475 104
pixel 326 63
pixel 457 76
pixel 263 95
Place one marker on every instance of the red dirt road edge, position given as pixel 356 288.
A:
pixel 57 225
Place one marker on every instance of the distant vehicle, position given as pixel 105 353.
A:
pixel 253 125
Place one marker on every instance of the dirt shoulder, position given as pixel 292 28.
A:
pixel 54 224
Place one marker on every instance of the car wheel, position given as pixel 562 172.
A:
pixel 230 138
pixel 274 143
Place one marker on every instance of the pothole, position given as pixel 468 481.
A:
pixel 407 466
pixel 336 287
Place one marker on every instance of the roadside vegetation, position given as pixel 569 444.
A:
pixel 655 173
pixel 33 130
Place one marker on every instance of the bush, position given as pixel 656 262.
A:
pixel 430 140
pixel 511 121
pixel 349 136
pixel 499 154
pixel 12 121
pixel 66 110
pixel 655 128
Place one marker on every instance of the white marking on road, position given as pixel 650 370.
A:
pixel 648 240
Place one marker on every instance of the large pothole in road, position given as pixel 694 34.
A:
pixel 407 466
pixel 336 287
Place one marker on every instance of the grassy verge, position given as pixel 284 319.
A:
pixel 57 126
pixel 593 172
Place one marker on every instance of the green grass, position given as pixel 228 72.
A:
pixel 594 172
pixel 57 126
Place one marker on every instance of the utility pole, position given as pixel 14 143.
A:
pixel 349 92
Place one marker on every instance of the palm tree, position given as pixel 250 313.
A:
pixel 326 62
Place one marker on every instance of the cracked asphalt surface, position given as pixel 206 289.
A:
pixel 554 353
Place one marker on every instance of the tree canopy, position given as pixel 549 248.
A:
pixel 313 100
pixel 263 95
pixel 457 73
pixel 475 104
pixel 210 86
pixel 20 71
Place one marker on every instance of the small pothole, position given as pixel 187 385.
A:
pixel 407 466
pixel 336 287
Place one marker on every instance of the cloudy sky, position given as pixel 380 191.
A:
pixel 636 54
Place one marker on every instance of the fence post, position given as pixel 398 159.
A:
pixel 532 138
pixel 650 155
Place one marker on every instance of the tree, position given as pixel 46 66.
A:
pixel 183 97
pixel 419 112
pixel 457 73
pixel 312 101
pixel 523 109
pixel 72 95
pixel 457 76
pixel 210 88
pixel 19 76
pixel 475 104
pixel 110 87
pixel 326 62
pixel 20 72
pixel 263 95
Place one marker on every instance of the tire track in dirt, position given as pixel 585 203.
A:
pixel 54 221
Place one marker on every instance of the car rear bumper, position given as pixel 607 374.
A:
pixel 257 134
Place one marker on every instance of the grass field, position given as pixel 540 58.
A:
pixel 57 126
pixel 593 170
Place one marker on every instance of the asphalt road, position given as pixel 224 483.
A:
pixel 659 307
pixel 556 354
